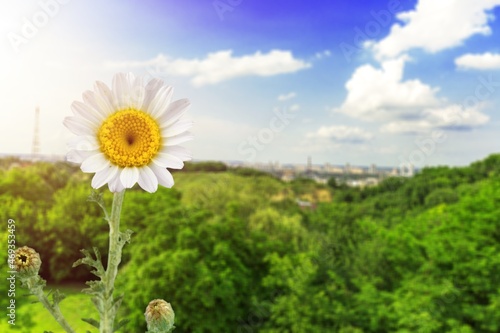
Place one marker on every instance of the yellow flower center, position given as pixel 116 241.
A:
pixel 129 138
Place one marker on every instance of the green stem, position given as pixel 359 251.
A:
pixel 36 289
pixel 114 259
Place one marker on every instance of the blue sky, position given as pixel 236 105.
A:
pixel 385 82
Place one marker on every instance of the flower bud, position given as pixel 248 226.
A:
pixel 159 316
pixel 27 261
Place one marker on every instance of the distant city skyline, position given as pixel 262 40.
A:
pixel 350 175
pixel 388 82
pixel 277 165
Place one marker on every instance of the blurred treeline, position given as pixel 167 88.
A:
pixel 233 252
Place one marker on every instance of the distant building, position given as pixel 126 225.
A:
pixel 320 180
pixel 407 170
pixel 288 176
pixel 356 171
pixel 371 181
pixel 305 204
pixel 300 168
pixel 347 168
pixel 346 174
pixel 336 170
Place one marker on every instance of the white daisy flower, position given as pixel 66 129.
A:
pixel 129 134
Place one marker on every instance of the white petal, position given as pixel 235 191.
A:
pixel 88 98
pixel 79 126
pixel 95 163
pixel 130 77
pixel 121 90
pixel 163 175
pixel 104 98
pixel 131 96
pixel 151 90
pixel 129 176
pixel 174 111
pixel 177 151
pixel 148 180
pixel 85 143
pixel 138 93
pixel 77 156
pixel 104 176
pixel 115 185
pixel 168 161
pixel 178 139
pixel 85 111
pixel 160 102
pixel 177 128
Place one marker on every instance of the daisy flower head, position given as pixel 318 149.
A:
pixel 129 133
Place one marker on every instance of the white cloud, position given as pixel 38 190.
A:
pixel 436 25
pixel 285 97
pixel 485 61
pixel 450 117
pixel 221 66
pixel 379 94
pixel 340 134
pixel 403 106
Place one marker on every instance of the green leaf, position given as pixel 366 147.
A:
pixel 92 322
pixel 120 324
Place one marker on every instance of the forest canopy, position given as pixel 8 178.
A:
pixel 232 251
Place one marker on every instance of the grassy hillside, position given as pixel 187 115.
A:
pixel 233 252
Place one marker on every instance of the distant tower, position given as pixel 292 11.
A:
pixel 35 148
pixel 309 163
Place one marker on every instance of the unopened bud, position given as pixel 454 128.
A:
pixel 27 261
pixel 159 316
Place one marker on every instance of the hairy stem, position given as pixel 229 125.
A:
pixel 114 259
pixel 37 289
